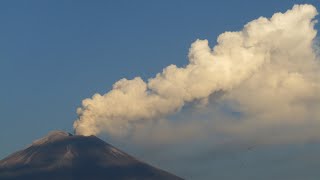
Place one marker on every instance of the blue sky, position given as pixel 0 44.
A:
pixel 53 54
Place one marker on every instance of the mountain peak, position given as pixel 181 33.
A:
pixel 61 155
pixel 52 136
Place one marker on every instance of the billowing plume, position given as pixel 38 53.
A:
pixel 281 44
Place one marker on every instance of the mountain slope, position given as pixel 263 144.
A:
pixel 63 156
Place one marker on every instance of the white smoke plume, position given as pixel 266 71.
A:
pixel 269 72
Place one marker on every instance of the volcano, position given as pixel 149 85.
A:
pixel 64 156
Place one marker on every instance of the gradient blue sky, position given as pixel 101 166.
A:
pixel 53 54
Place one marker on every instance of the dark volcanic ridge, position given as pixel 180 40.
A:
pixel 61 155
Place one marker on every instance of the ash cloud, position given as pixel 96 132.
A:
pixel 268 73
